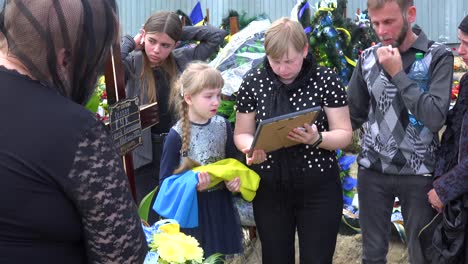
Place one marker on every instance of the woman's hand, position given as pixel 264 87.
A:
pixel 140 40
pixel 435 201
pixel 257 157
pixel 306 135
pixel 233 185
pixel 204 181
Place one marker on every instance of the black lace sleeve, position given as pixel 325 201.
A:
pixel 455 182
pixel 100 190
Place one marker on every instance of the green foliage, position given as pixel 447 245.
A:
pixel 226 109
pixel 93 102
pixel 330 40
pixel 337 41
pixel 214 259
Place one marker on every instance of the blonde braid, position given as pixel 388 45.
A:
pixel 187 163
pixel 185 122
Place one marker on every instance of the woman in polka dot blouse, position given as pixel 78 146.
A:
pixel 300 187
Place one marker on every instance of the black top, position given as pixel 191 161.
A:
pixel 263 93
pixel 163 93
pixel 64 197
pixel 452 163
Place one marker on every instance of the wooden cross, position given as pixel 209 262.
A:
pixel 115 88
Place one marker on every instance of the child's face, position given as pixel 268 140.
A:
pixel 204 105
pixel 158 46
pixel 289 65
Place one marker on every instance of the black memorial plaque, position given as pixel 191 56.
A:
pixel 125 125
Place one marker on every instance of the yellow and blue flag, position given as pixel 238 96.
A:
pixel 197 15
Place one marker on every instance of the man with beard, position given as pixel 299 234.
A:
pixel 397 158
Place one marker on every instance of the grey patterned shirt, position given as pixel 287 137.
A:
pixel 208 141
pixel 380 104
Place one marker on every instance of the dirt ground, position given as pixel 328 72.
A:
pixel 348 247
pixel 348 251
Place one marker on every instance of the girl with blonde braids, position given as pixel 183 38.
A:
pixel 202 137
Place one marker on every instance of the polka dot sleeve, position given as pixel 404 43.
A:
pixel 334 91
pixel 246 101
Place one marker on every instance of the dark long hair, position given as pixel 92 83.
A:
pixel 161 22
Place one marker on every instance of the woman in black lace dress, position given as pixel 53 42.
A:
pixel 64 197
pixel 452 167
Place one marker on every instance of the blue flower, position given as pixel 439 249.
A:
pixel 349 183
pixel 346 161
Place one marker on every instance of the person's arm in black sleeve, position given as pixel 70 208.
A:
pixel 99 189
pixel 231 150
pixel 127 45
pixel 358 98
pixel 455 182
pixel 209 37
pixel 170 158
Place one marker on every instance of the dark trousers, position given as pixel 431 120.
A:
pixel 147 176
pixel 146 179
pixel 315 211
pixel 377 194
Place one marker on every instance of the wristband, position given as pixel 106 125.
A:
pixel 319 140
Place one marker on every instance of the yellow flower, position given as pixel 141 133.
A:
pixel 172 228
pixel 101 80
pixel 171 253
pixel 192 250
pixel 175 247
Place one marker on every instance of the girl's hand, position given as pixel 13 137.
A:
pixel 306 135
pixel 204 180
pixel 233 185
pixel 140 40
pixel 257 157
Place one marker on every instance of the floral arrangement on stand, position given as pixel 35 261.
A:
pixel 350 216
pixel 98 101
pixel 349 183
pixel 335 41
pixel 459 68
pixel 170 246
pixel 330 40
pixel 454 93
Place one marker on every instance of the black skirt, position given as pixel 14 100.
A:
pixel 219 229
